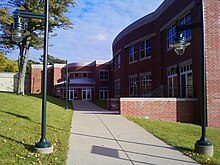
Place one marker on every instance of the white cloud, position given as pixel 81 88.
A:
pixel 101 37
pixel 96 24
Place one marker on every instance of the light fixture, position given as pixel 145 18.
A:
pixel 18 30
pixel 179 44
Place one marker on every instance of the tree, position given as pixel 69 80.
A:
pixel 7 65
pixel 35 26
pixel 51 60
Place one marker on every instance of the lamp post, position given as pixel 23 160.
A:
pixel 67 86
pixel 43 146
pixel 203 146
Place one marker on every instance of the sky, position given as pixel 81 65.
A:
pixel 96 24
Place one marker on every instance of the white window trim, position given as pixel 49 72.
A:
pixel 103 89
pixel 102 75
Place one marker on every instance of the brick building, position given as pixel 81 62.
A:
pixel 145 74
pixel 145 65
pixel 86 80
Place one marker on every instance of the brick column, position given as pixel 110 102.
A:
pixel 212 44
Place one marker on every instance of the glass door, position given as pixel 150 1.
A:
pixel 71 95
pixel 86 94
pixel 172 83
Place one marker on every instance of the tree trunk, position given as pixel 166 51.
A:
pixel 23 58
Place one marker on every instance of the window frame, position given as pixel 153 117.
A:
pixel 103 77
pixel 147 47
pixel 183 21
pixel 103 90
pixel 87 75
pixel 117 61
pixel 133 85
pixel 133 53
pixel 145 82
pixel 171 34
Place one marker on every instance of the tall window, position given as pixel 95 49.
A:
pixel 171 34
pixel 103 93
pixel 117 61
pixel 133 51
pixel 133 85
pixel 103 75
pixel 117 88
pixel 145 49
pixel 186 81
pixel 186 20
pixel 145 83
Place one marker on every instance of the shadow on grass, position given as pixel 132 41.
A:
pixel 28 119
pixel 53 100
pixel 184 149
pixel 17 115
pixel 27 146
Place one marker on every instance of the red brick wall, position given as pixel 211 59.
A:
pixel 36 78
pixel 212 45
pixel 167 109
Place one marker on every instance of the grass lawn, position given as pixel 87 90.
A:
pixel 20 129
pixel 100 103
pixel 183 137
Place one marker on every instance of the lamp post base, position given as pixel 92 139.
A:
pixel 43 147
pixel 204 147
pixel 47 150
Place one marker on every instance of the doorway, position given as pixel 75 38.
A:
pixel 86 94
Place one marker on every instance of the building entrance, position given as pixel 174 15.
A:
pixel 86 94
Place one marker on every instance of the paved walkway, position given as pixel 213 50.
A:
pixel 100 137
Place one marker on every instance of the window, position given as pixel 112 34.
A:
pixel 186 81
pixel 133 53
pixel 171 34
pixel 117 88
pixel 103 93
pixel 85 75
pixel 133 85
pixel 75 92
pixel 186 20
pixel 76 75
pixel 117 61
pixel 145 49
pixel 145 83
pixel 103 75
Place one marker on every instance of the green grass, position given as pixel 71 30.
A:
pixel 182 136
pixel 20 129
pixel 100 103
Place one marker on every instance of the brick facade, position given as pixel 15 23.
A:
pixel 56 79
pixel 168 70
pixel 212 35
pixel 162 73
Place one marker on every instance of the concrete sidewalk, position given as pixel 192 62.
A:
pixel 101 137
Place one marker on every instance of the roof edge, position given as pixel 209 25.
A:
pixel 144 20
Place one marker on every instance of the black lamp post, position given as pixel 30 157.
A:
pixel 67 86
pixel 203 145
pixel 42 146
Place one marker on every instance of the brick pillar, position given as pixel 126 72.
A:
pixel 212 44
